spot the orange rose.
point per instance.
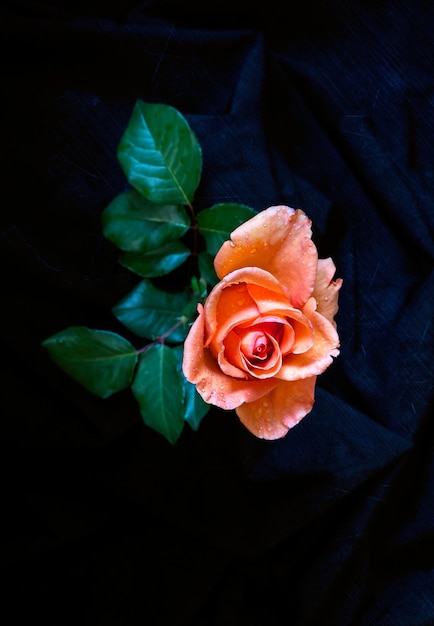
(267, 328)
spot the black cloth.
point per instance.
(327, 107)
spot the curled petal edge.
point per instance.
(326, 290)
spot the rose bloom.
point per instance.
(267, 328)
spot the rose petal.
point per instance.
(281, 307)
(277, 240)
(237, 357)
(201, 369)
(277, 327)
(273, 364)
(229, 303)
(234, 363)
(227, 308)
(268, 368)
(254, 342)
(319, 357)
(229, 357)
(326, 290)
(271, 416)
(268, 300)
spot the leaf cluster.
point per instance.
(150, 223)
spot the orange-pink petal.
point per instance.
(267, 299)
(326, 290)
(272, 415)
(277, 240)
(230, 359)
(319, 357)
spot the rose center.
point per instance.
(255, 349)
(256, 346)
(256, 343)
(260, 346)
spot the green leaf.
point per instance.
(195, 408)
(102, 361)
(190, 310)
(158, 388)
(206, 268)
(198, 294)
(156, 262)
(136, 225)
(198, 287)
(160, 155)
(150, 312)
(217, 223)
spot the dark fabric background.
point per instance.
(328, 107)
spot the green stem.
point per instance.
(162, 337)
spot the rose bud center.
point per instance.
(259, 351)
(256, 346)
